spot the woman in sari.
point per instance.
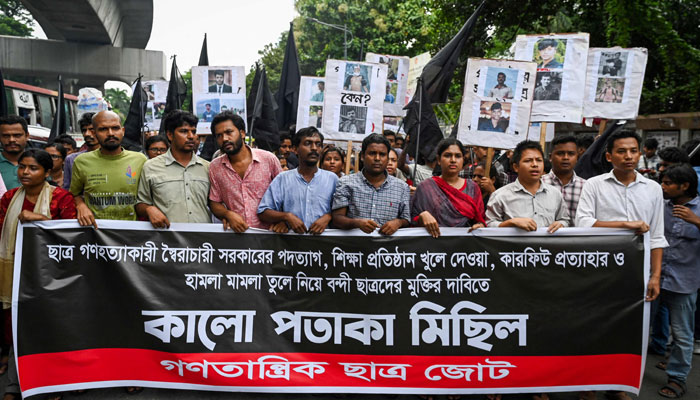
(448, 200)
(34, 200)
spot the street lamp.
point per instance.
(343, 28)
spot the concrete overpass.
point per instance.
(89, 42)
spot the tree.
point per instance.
(119, 100)
(15, 20)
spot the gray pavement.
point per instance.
(653, 380)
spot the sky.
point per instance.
(236, 30)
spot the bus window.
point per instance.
(44, 115)
(10, 101)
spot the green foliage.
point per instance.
(119, 100)
(15, 20)
(187, 77)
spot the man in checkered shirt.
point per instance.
(372, 199)
(562, 176)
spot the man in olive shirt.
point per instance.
(105, 181)
(174, 187)
(13, 136)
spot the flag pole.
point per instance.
(141, 119)
(420, 115)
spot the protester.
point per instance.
(694, 161)
(58, 153)
(417, 172)
(283, 162)
(390, 136)
(480, 154)
(680, 275)
(90, 144)
(487, 185)
(287, 151)
(155, 146)
(300, 199)
(105, 181)
(174, 187)
(68, 142)
(372, 198)
(671, 156)
(13, 137)
(448, 200)
(333, 159)
(399, 142)
(33, 200)
(528, 203)
(649, 160)
(583, 142)
(240, 178)
(562, 176)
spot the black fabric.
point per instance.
(264, 125)
(177, 90)
(430, 132)
(204, 54)
(135, 119)
(58, 127)
(593, 162)
(287, 96)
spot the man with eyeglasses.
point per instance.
(90, 144)
(174, 186)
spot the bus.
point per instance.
(38, 106)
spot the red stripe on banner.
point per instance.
(298, 369)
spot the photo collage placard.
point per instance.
(156, 92)
(353, 102)
(496, 103)
(561, 74)
(310, 111)
(217, 89)
(396, 82)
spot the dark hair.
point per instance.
(305, 132)
(493, 173)
(156, 139)
(673, 155)
(544, 43)
(623, 134)
(651, 144)
(683, 173)
(59, 147)
(563, 139)
(375, 138)
(285, 136)
(688, 147)
(444, 144)
(228, 116)
(521, 147)
(41, 156)
(389, 133)
(66, 139)
(15, 119)
(218, 72)
(177, 118)
(585, 141)
(331, 149)
(496, 106)
(501, 73)
(85, 120)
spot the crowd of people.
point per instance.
(304, 188)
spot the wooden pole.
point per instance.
(543, 134)
(601, 127)
(489, 160)
(357, 161)
(348, 155)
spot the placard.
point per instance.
(217, 89)
(533, 132)
(415, 69)
(614, 82)
(310, 110)
(561, 74)
(396, 82)
(156, 92)
(496, 102)
(354, 100)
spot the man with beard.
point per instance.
(90, 144)
(13, 136)
(300, 199)
(240, 178)
(219, 86)
(105, 181)
(174, 186)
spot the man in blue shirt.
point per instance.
(680, 275)
(300, 199)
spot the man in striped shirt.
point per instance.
(562, 176)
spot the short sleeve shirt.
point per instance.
(389, 201)
(514, 201)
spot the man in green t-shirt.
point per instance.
(105, 181)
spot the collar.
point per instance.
(638, 178)
(255, 156)
(695, 202)
(367, 182)
(519, 187)
(169, 159)
(574, 178)
(301, 178)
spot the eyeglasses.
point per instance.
(56, 156)
(157, 150)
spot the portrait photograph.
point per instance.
(315, 116)
(609, 90)
(500, 82)
(318, 89)
(613, 63)
(219, 81)
(392, 67)
(548, 86)
(149, 88)
(207, 109)
(357, 78)
(352, 119)
(549, 53)
(158, 110)
(494, 116)
(391, 90)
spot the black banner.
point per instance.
(194, 307)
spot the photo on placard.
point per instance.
(235, 105)
(613, 63)
(158, 110)
(548, 86)
(219, 81)
(149, 113)
(500, 82)
(609, 90)
(357, 78)
(549, 53)
(318, 88)
(206, 109)
(315, 116)
(150, 91)
(352, 119)
(392, 66)
(494, 116)
(391, 89)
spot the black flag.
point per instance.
(203, 54)
(3, 98)
(250, 101)
(593, 162)
(430, 132)
(177, 90)
(263, 127)
(58, 127)
(437, 74)
(287, 96)
(133, 126)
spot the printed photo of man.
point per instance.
(219, 86)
